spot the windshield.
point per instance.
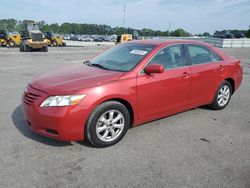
(123, 57)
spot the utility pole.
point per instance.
(169, 26)
(124, 15)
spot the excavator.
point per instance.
(54, 40)
(11, 40)
(33, 38)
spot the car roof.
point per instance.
(163, 42)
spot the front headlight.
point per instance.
(66, 100)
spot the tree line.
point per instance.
(98, 29)
(101, 29)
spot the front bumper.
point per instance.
(37, 45)
(60, 123)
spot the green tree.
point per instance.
(206, 34)
(8, 24)
(76, 28)
(248, 33)
(179, 33)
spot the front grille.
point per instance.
(37, 37)
(29, 98)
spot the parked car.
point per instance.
(224, 35)
(239, 35)
(228, 36)
(128, 85)
(87, 39)
(113, 38)
(99, 39)
(74, 38)
(66, 37)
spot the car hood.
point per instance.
(72, 79)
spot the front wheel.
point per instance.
(222, 96)
(107, 124)
(44, 49)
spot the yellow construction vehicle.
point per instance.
(54, 40)
(33, 38)
(124, 38)
(11, 40)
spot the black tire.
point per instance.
(50, 43)
(91, 126)
(44, 49)
(28, 49)
(24, 49)
(54, 43)
(11, 43)
(216, 105)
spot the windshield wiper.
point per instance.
(87, 62)
(100, 66)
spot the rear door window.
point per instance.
(201, 54)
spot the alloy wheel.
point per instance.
(223, 95)
(110, 125)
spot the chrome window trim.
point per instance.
(211, 62)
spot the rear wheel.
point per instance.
(222, 96)
(107, 124)
(11, 43)
(54, 43)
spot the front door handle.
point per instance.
(221, 67)
(185, 75)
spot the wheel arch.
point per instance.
(232, 82)
(127, 105)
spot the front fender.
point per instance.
(124, 90)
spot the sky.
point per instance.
(195, 16)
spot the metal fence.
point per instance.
(221, 43)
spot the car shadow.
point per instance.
(205, 107)
(21, 125)
(86, 144)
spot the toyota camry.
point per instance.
(128, 85)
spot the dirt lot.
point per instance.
(197, 148)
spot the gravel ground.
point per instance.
(197, 148)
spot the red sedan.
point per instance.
(128, 85)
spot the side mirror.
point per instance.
(154, 68)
